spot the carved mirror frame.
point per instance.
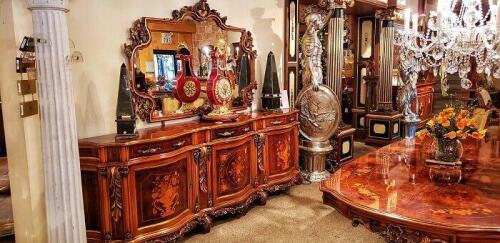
(140, 37)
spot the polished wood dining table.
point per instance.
(394, 192)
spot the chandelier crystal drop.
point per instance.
(457, 35)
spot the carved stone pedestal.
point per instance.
(383, 128)
(343, 145)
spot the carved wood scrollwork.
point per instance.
(204, 220)
(242, 208)
(107, 238)
(139, 35)
(116, 175)
(332, 157)
(281, 187)
(259, 141)
(200, 11)
(395, 233)
(143, 106)
(202, 156)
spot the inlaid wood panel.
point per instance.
(162, 192)
(232, 169)
(280, 152)
(281, 156)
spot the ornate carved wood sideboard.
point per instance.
(173, 178)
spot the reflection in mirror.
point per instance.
(165, 68)
(158, 63)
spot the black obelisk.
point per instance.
(243, 74)
(125, 116)
(243, 80)
(271, 95)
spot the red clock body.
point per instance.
(187, 87)
(219, 87)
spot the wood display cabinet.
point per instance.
(425, 97)
(174, 178)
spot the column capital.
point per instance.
(61, 5)
(333, 4)
(387, 14)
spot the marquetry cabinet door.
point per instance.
(281, 154)
(162, 193)
(233, 174)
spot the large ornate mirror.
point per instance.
(159, 50)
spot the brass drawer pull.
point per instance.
(246, 129)
(292, 119)
(149, 150)
(179, 144)
(226, 134)
(277, 122)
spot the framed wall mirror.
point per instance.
(160, 50)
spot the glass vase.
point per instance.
(448, 150)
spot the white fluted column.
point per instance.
(63, 189)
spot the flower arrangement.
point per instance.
(452, 123)
(447, 128)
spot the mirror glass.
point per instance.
(157, 64)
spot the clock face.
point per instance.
(223, 90)
(189, 88)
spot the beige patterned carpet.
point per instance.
(297, 215)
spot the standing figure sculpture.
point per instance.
(312, 48)
(407, 93)
(319, 106)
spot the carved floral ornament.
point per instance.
(387, 14)
(336, 3)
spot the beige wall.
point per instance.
(22, 134)
(99, 28)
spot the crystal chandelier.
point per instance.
(452, 41)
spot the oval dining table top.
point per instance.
(396, 183)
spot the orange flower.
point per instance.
(464, 113)
(482, 132)
(478, 135)
(451, 135)
(431, 123)
(449, 110)
(471, 122)
(461, 123)
(461, 134)
(444, 121)
(422, 134)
